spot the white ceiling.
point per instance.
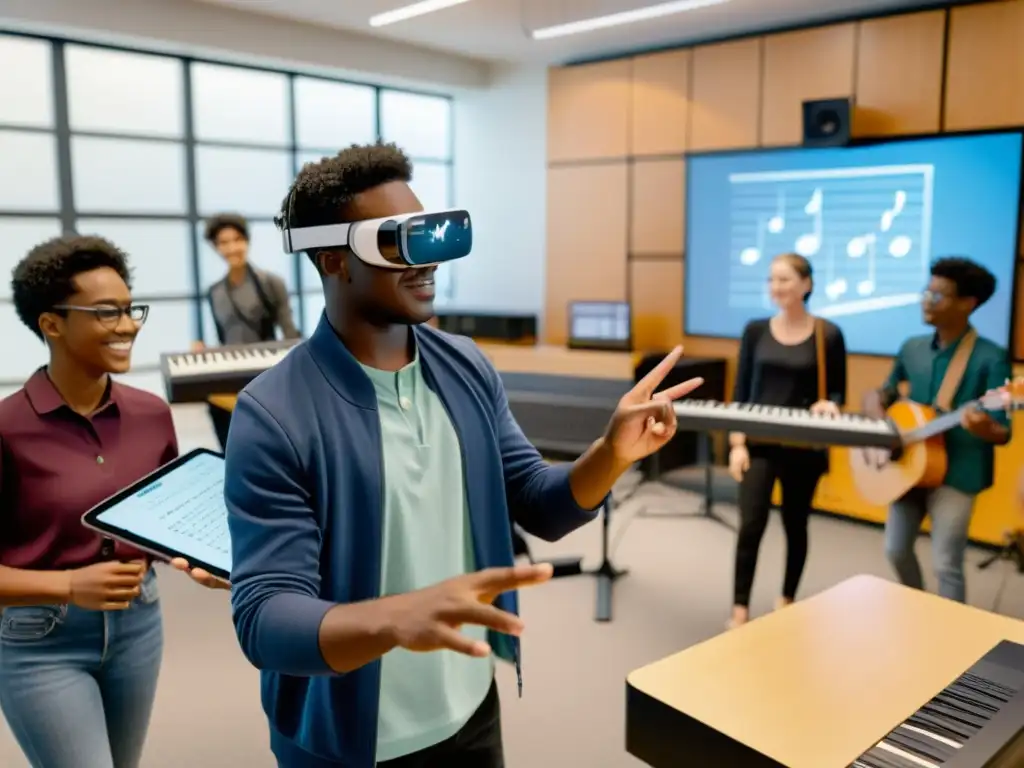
(499, 29)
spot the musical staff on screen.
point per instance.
(865, 230)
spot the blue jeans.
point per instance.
(77, 686)
(950, 511)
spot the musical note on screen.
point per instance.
(777, 223)
(807, 245)
(889, 216)
(857, 248)
(900, 246)
(751, 255)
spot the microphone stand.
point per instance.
(1012, 550)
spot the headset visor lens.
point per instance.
(434, 238)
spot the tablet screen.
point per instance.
(183, 511)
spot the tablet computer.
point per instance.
(176, 511)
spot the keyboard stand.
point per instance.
(707, 507)
(606, 573)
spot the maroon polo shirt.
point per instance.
(56, 464)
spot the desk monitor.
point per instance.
(176, 511)
(603, 325)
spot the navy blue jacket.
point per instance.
(304, 482)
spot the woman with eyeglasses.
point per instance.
(81, 634)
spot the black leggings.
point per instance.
(798, 470)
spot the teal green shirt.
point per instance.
(425, 698)
(922, 364)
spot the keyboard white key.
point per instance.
(786, 424)
(194, 376)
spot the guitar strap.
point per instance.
(819, 350)
(955, 371)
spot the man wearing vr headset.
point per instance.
(372, 479)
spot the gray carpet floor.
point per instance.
(676, 594)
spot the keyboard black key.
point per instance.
(955, 721)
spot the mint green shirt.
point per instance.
(425, 698)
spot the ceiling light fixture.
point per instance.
(623, 17)
(412, 11)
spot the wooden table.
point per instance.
(811, 686)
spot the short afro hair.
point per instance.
(222, 221)
(972, 280)
(46, 276)
(323, 188)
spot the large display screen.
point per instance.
(871, 219)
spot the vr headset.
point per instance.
(410, 240)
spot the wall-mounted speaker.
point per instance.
(827, 122)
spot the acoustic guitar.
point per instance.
(882, 476)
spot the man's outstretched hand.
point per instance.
(429, 619)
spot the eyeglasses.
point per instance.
(933, 297)
(110, 316)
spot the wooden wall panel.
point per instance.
(899, 74)
(726, 96)
(661, 103)
(656, 303)
(586, 244)
(588, 111)
(657, 219)
(799, 66)
(985, 66)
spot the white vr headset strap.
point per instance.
(309, 238)
(360, 236)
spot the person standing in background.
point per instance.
(248, 304)
(81, 633)
(957, 288)
(791, 360)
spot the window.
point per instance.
(265, 251)
(432, 184)
(23, 350)
(310, 276)
(19, 236)
(252, 182)
(28, 168)
(170, 327)
(159, 252)
(240, 106)
(420, 125)
(314, 307)
(127, 93)
(26, 99)
(134, 178)
(332, 115)
(128, 176)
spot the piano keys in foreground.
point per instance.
(192, 377)
(977, 721)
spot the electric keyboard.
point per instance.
(787, 425)
(192, 377)
(977, 721)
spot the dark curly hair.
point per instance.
(323, 188)
(222, 221)
(46, 276)
(972, 280)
